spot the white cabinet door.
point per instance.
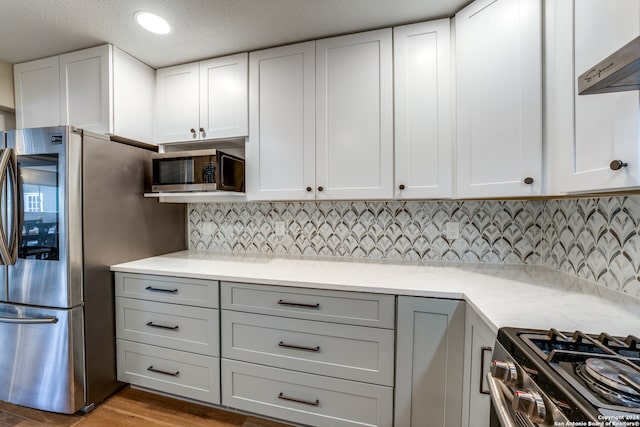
(134, 94)
(37, 92)
(591, 131)
(499, 98)
(479, 342)
(280, 151)
(85, 89)
(178, 103)
(423, 145)
(354, 116)
(429, 362)
(223, 97)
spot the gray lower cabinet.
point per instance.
(429, 362)
(168, 335)
(352, 308)
(479, 342)
(181, 327)
(177, 372)
(305, 398)
(308, 356)
(345, 351)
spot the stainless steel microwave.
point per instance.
(198, 170)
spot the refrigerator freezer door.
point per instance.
(42, 358)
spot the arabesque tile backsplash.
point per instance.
(597, 239)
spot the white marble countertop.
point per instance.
(504, 295)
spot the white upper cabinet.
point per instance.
(354, 116)
(134, 96)
(204, 100)
(588, 132)
(280, 151)
(178, 98)
(422, 84)
(223, 97)
(100, 89)
(499, 98)
(37, 92)
(85, 88)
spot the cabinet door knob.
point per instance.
(320, 188)
(193, 131)
(617, 165)
(528, 180)
(203, 132)
(309, 189)
(401, 187)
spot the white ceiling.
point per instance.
(33, 29)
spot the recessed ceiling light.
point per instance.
(152, 22)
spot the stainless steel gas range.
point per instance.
(552, 378)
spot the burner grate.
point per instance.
(607, 392)
(549, 345)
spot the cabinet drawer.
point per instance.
(353, 308)
(345, 351)
(201, 293)
(179, 327)
(305, 398)
(171, 371)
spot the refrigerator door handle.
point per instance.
(6, 256)
(15, 207)
(29, 320)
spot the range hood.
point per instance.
(618, 72)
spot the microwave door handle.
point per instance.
(5, 255)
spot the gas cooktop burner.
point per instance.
(611, 379)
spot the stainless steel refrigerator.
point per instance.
(72, 204)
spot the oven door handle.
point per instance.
(500, 401)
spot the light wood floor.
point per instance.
(132, 408)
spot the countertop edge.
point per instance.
(532, 297)
(295, 283)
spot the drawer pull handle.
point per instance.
(160, 371)
(153, 325)
(298, 347)
(293, 399)
(168, 291)
(298, 304)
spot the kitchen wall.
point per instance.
(7, 101)
(594, 238)
(7, 120)
(597, 239)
